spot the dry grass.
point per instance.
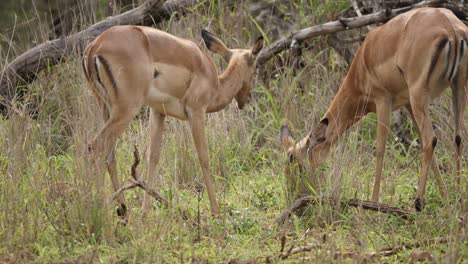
(46, 150)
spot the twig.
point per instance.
(297, 250)
(356, 8)
(137, 182)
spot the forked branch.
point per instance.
(135, 181)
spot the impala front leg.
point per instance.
(384, 111)
(197, 124)
(156, 133)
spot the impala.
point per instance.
(405, 63)
(130, 66)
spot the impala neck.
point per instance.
(348, 107)
(230, 83)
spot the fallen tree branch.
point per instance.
(379, 207)
(340, 25)
(24, 68)
(373, 206)
(135, 181)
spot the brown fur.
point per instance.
(401, 63)
(138, 66)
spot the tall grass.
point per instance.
(49, 213)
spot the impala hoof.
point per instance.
(122, 210)
(418, 204)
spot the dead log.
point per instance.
(341, 25)
(379, 207)
(373, 206)
(24, 69)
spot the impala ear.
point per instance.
(318, 134)
(215, 45)
(286, 138)
(257, 46)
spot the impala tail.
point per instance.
(450, 53)
(98, 73)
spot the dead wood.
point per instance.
(373, 206)
(366, 257)
(24, 69)
(342, 49)
(379, 207)
(344, 24)
(135, 181)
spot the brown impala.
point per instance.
(405, 63)
(131, 66)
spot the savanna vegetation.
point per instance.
(49, 210)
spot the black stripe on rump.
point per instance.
(436, 56)
(455, 62)
(106, 65)
(83, 61)
(96, 70)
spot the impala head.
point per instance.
(301, 154)
(243, 59)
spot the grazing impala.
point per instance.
(131, 66)
(405, 63)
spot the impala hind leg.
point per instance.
(156, 132)
(420, 107)
(104, 144)
(459, 94)
(197, 124)
(384, 111)
(434, 166)
(111, 163)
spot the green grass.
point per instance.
(247, 160)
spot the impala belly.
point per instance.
(168, 88)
